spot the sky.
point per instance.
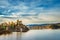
(30, 11)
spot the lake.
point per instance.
(33, 35)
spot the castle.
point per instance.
(14, 27)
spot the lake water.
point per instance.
(33, 35)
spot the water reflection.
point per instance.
(19, 35)
(33, 35)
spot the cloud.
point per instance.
(30, 11)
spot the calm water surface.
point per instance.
(33, 35)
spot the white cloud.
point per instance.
(33, 14)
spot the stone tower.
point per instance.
(21, 27)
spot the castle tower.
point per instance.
(21, 27)
(19, 22)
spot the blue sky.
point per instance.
(30, 11)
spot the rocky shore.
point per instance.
(4, 32)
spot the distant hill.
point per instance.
(37, 24)
(52, 26)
